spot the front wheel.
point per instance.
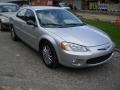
(49, 55)
(13, 34)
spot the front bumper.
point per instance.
(5, 23)
(87, 59)
(5, 26)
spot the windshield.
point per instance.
(57, 18)
(8, 8)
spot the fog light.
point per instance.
(77, 62)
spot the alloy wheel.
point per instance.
(47, 56)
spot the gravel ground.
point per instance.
(108, 18)
(21, 66)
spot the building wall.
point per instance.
(103, 5)
(39, 2)
(42, 2)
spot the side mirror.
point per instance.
(30, 22)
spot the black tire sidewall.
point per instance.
(15, 38)
(1, 28)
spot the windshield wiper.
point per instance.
(52, 24)
(76, 24)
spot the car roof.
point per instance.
(7, 4)
(42, 7)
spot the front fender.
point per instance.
(53, 41)
(50, 39)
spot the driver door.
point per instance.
(31, 31)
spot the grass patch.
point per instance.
(111, 29)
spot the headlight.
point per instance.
(5, 20)
(73, 47)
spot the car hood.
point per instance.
(8, 14)
(84, 35)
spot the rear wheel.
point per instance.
(13, 34)
(49, 55)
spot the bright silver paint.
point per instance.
(93, 39)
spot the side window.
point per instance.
(29, 15)
(21, 14)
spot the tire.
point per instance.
(1, 27)
(49, 55)
(13, 34)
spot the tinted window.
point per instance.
(21, 14)
(30, 15)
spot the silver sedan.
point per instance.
(61, 38)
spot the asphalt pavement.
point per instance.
(21, 66)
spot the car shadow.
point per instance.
(5, 30)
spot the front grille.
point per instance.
(98, 59)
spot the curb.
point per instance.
(117, 50)
(116, 13)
